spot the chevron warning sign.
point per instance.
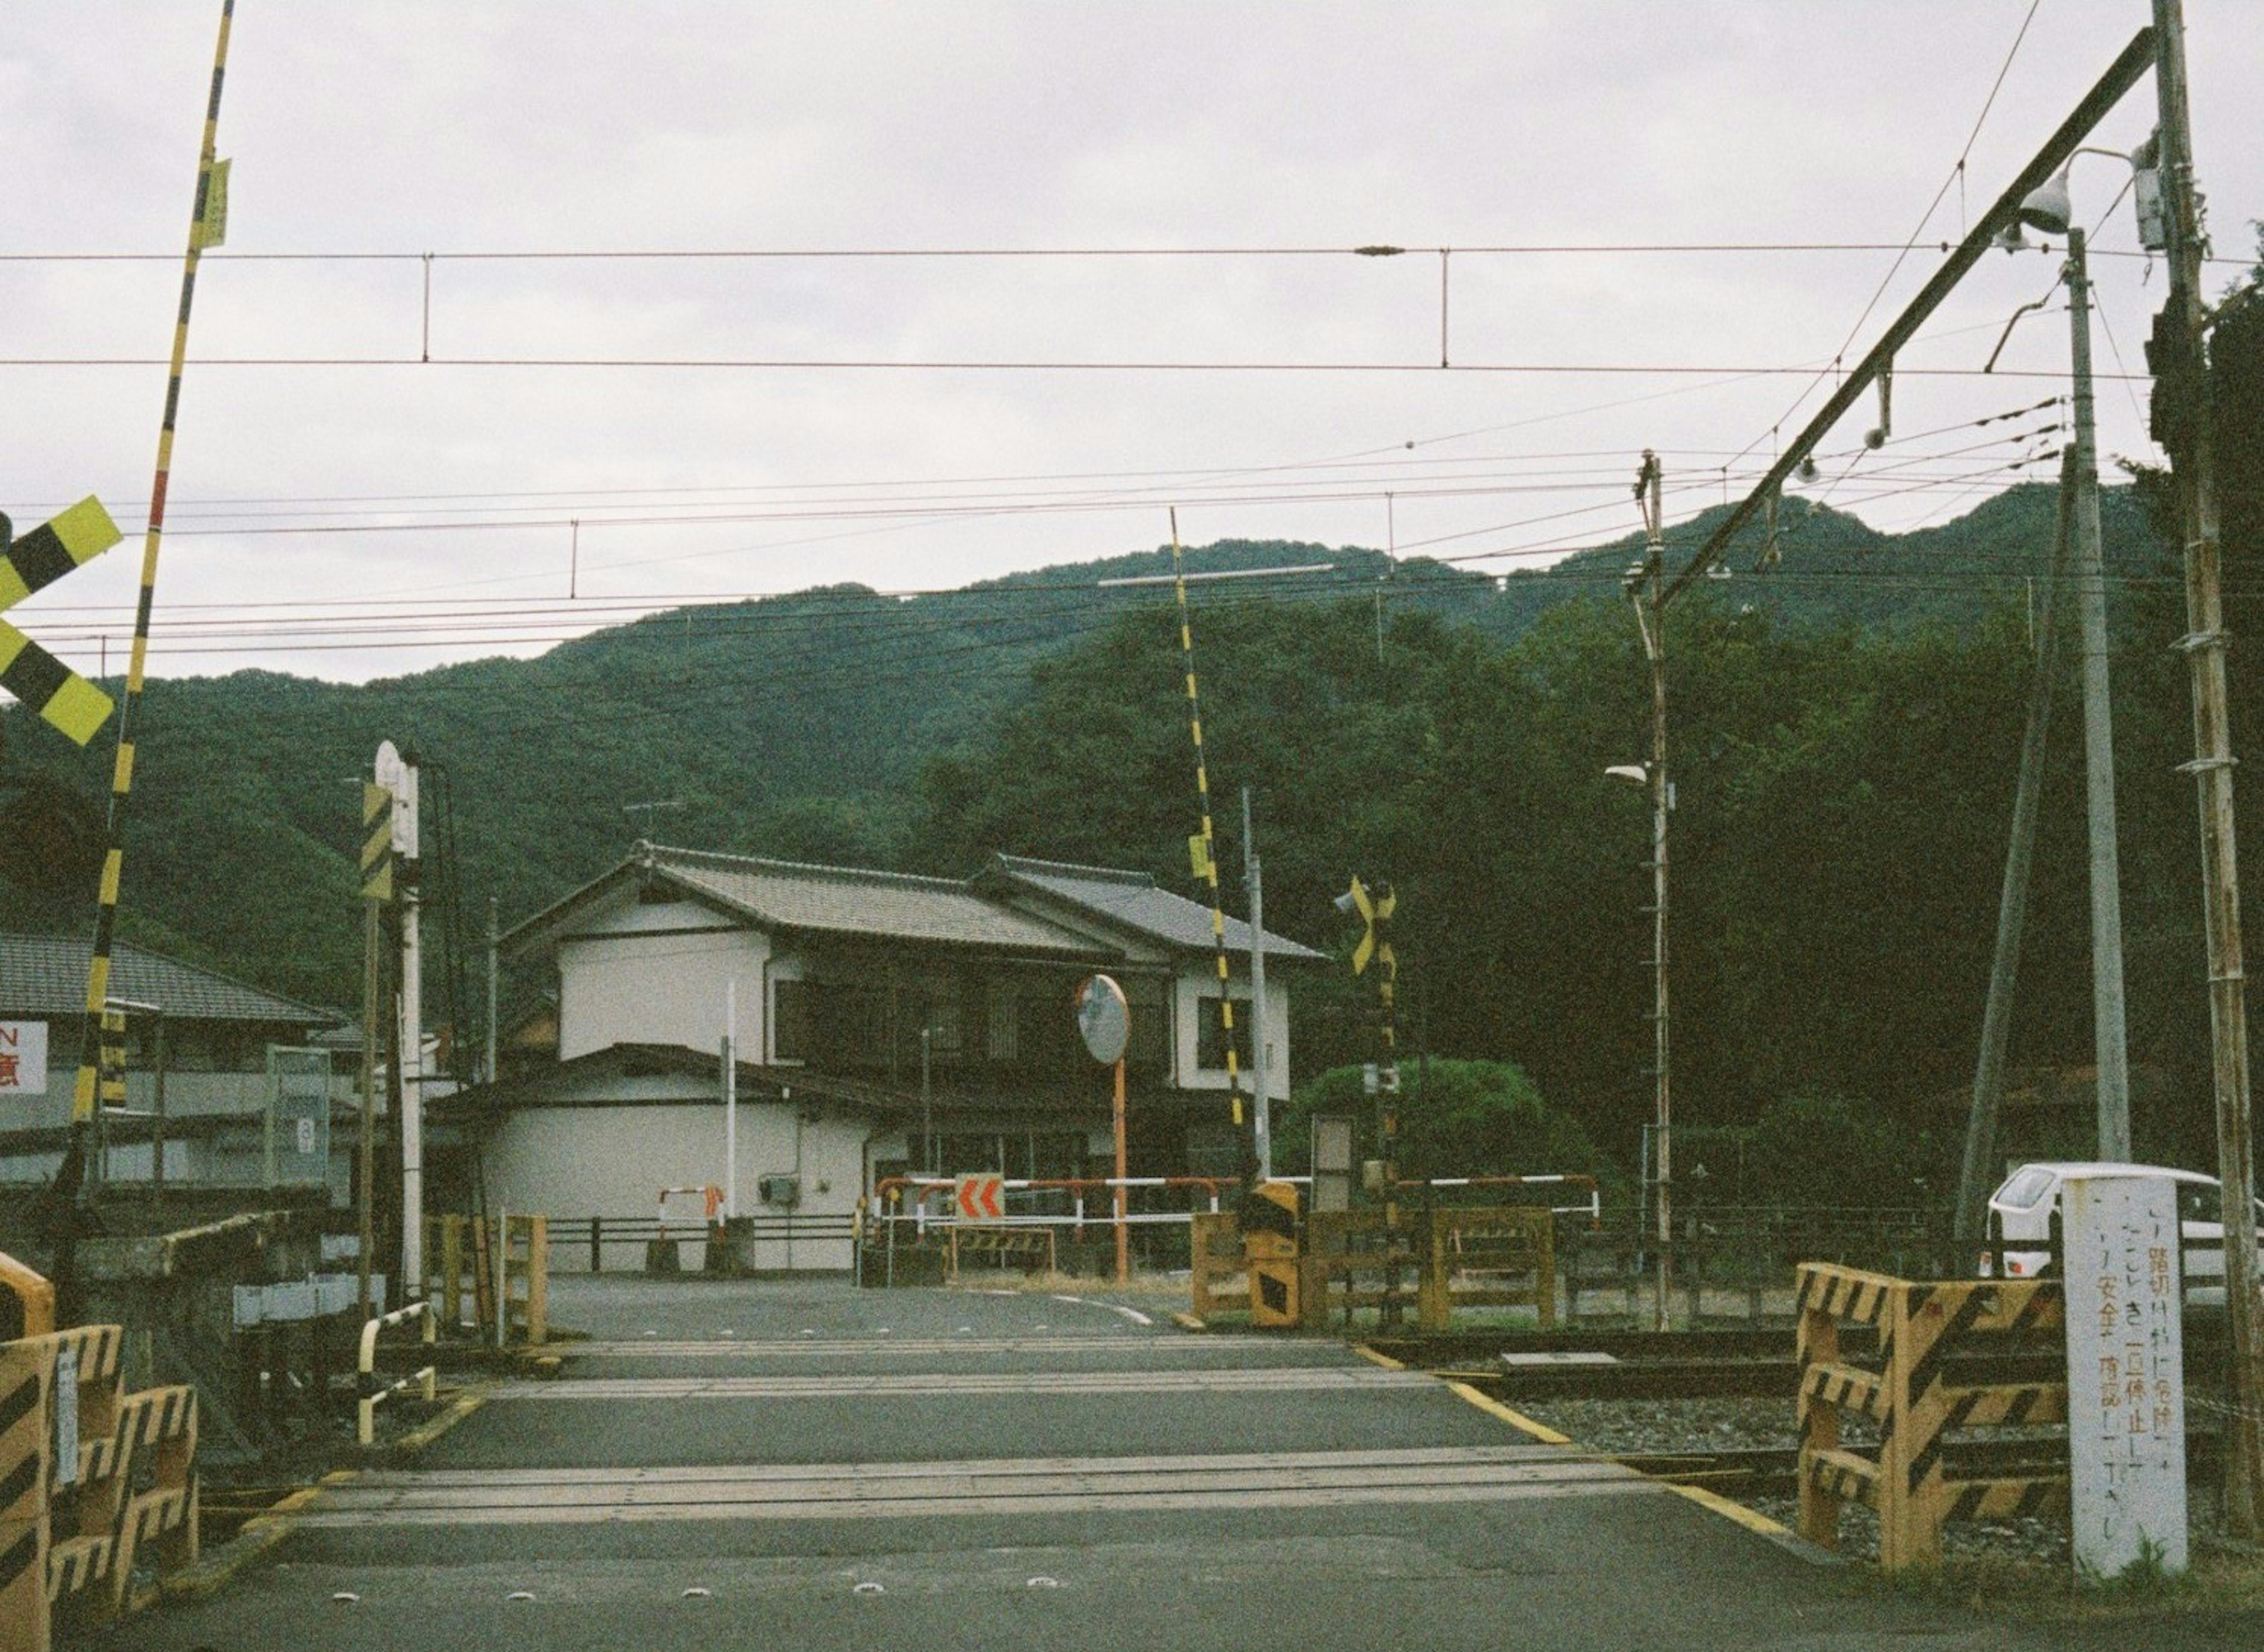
(39, 558)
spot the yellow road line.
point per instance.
(1517, 1420)
(1751, 1520)
(1187, 1321)
(1385, 1360)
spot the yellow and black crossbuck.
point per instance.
(34, 676)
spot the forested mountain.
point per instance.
(798, 726)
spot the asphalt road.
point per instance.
(806, 1465)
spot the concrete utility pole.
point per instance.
(1976, 1179)
(2109, 1037)
(409, 1043)
(1262, 1118)
(2176, 357)
(1651, 616)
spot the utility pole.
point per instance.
(495, 959)
(1648, 591)
(2175, 355)
(1975, 1179)
(1262, 1118)
(377, 810)
(409, 1039)
(2109, 1037)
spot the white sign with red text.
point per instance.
(23, 1058)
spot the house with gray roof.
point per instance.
(217, 1033)
(882, 1024)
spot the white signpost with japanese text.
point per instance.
(2126, 1390)
(23, 1058)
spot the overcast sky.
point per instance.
(492, 128)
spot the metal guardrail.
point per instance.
(372, 1393)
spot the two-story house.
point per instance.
(884, 1024)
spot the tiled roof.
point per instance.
(45, 976)
(889, 905)
(1134, 900)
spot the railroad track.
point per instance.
(1773, 1471)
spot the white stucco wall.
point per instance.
(573, 1162)
(1194, 986)
(657, 975)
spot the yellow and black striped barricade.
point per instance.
(157, 1431)
(84, 1510)
(1214, 1261)
(28, 1375)
(1028, 1249)
(1272, 1255)
(1487, 1256)
(1916, 1410)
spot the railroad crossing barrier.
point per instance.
(33, 1299)
(1214, 1258)
(1028, 1249)
(373, 1393)
(1438, 1261)
(1458, 1256)
(1906, 1394)
(466, 1259)
(73, 1448)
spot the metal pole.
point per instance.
(157, 1125)
(409, 1042)
(728, 1069)
(1976, 1178)
(1650, 488)
(2109, 1039)
(1123, 1237)
(2192, 460)
(1261, 1116)
(495, 955)
(927, 1104)
(366, 1174)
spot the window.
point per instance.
(1210, 1045)
(1002, 1027)
(790, 1030)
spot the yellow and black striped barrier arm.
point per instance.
(121, 778)
(1201, 850)
(43, 683)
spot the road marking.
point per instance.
(970, 1384)
(1106, 1343)
(1385, 1360)
(1132, 1314)
(1032, 1486)
(1517, 1420)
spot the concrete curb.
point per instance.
(260, 1535)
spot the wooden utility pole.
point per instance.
(2177, 357)
(1650, 615)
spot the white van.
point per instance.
(2027, 1206)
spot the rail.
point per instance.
(373, 1393)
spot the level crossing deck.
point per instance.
(808, 1464)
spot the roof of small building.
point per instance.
(1135, 901)
(841, 901)
(45, 976)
